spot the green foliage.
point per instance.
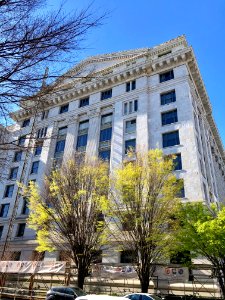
(202, 229)
(66, 213)
(144, 198)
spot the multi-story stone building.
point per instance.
(144, 98)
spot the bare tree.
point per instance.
(33, 40)
(143, 203)
(67, 215)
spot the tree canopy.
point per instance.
(68, 213)
(144, 202)
(202, 232)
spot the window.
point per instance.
(44, 114)
(26, 123)
(1, 231)
(169, 117)
(83, 127)
(21, 229)
(82, 141)
(130, 107)
(62, 131)
(181, 193)
(38, 149)
(15, 256)
(82, 136)
(84, 102)
(4, 210)
(106, 94)
(166, 76)
(130, 145)
(34, 168)
(177, 162)
(168, 97)
(13, 173)
(106, 134)
(9, 191)
(130, 86)
(106, 120)
(18, 156)
(104, 154)
(127, 256)
(171, 139)
(64, 108)
(130, 126)
(41, 133)
(60, 146)
(25, 208)
(22, 140)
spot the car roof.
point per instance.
(96, 297)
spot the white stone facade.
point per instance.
(200, 147)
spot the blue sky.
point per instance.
(146, 23)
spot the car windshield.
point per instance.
(79, 292)
(155, 297)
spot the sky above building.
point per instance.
(146, 23)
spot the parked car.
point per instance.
(142, 296)
(64, 293)
(100, 297)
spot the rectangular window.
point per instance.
(9, 191)
(169, 117)
(135, 105)
(131, 85)
(25, 208)
(60, 146)
(177, 162)
(44, 114)
(34, 168)
(104, 154)
(106, 134)
(13, 173)
(22, 140)
(64, 108)
(130, 107)
(42, 132)
(106, 120)
(127, 256)
(82, 141)
(106, 94)
(4, 210)
(26, 123)
(38, 149)
(84, 102)
(62, 131)
(18, 156)
(167, 98)
(16, 255)
(21, 229)
(130, 126)
(166, 76)
(83, 127)
(171, 139)
(1, 231)
(130, 145)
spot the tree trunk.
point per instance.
(80, 277)
(221, 277)
(144, 285)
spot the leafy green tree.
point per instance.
(144, 200)
(202, 232)
(67, 214)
